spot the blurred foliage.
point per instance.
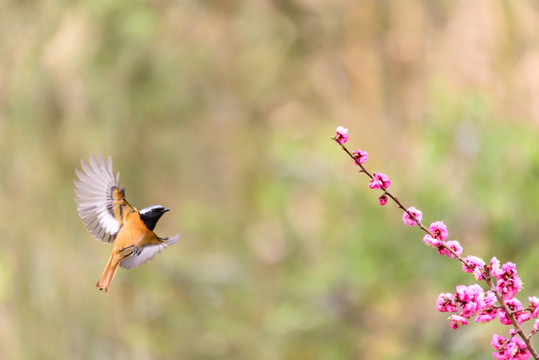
(222, 111)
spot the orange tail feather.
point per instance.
(108, 274)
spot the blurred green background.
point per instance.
(223, 111)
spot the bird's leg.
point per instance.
(129, 250)
(137, 250)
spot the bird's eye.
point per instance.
(155, 210)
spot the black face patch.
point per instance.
(151, 215)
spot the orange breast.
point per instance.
(134, 232)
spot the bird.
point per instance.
(108, 217)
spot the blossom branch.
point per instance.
(470, 300)
(400, 205)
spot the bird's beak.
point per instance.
(165, 210)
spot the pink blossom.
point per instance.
(497, 341)
(486, 307)
(509, 283)
(514, 348)
(465, 293)
(522, 353)
(472, 299)
(456, 321)
(487, 315)
(429, 240)
(408, 219)
(503, 317)
(446, 303)
(380, 181)
(509, 288)
(469, 297)
(523, 316)
(534, 306)
(383, 200)
(361, 156)
(494, 267)
(505, 352)
(439, 230)
(477, 266)
(516, 308)
(489, 300)
(536, 325)
(508, 270)
(469, 309)
(504, 349)
(453, 245)
(342, 135)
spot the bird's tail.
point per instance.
(108, 274)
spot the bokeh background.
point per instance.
(223, 111)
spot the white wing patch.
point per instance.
(147, 253)
(94, 190)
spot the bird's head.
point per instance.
(151, 214)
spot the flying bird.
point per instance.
(110, 218)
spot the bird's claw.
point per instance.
(136, 250)
(130, 250)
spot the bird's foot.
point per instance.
(130, 250)
(136, 250)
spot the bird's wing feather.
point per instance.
(147, 252)
(101, 204)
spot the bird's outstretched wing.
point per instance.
(101, 204)
(147, 252)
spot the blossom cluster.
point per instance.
(512, 348)
(473, 302)
(470, 301)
